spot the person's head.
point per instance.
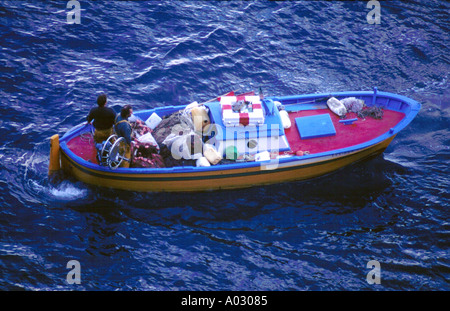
(126, 111)
(101, 100)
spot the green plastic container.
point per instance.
(231, 153)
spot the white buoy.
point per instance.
(337, 106)
(283, 115)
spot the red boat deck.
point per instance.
(84, 147)
(346, 135)
(360, 131)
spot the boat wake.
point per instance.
(33, 166)
(65, 190)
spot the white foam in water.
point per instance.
(62, 191)
(36, 186)
(67, 191)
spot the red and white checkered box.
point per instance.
(231, 118)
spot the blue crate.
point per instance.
(315, 126)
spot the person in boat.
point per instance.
(103, 117)
(123, 129)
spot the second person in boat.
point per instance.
(123, 129)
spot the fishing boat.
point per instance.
(276, 139)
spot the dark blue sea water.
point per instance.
(314, 235)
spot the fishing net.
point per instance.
(374, 112)
(353, 104)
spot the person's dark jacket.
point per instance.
(103, 117)
(123, 128)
